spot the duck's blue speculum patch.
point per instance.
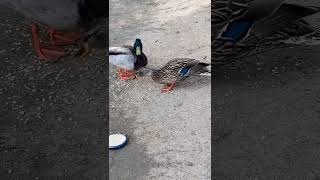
(184, 71)
(237, 30)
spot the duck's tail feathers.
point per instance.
(207, 71)
(301, 33)
(119, 50)
(284, 16)
(202, 69)
(205, 74)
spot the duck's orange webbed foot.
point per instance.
(60, 38)
(126, 75)
(45, 52)
(168, 87)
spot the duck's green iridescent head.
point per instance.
(138, 47)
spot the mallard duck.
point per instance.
(177, 70)
(68, 21)
(128, 59)
(248, 27)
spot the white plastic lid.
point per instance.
(117, 140)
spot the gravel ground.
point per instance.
(169, 133)
(53, 116)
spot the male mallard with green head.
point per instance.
(177, 70)
(128, 59)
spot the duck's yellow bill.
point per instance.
(138, 51)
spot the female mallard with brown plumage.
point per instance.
(247, 27)
(177, 70)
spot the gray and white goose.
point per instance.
(68, 22)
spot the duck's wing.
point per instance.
(299, 33)
(121, 50)
(177, 63)
(122, 57)
(122, 61)
(285, 16)
(181, 67)
(170, 72)
(263, 18)
(224, 11)
(269, 33)
(186, 67)
(260, 9)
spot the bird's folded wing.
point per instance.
(119, 50)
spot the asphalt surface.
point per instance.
(169, 134)
(53, 116)
(267, 112)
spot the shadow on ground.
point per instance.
(52, 116)
(266, 123)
